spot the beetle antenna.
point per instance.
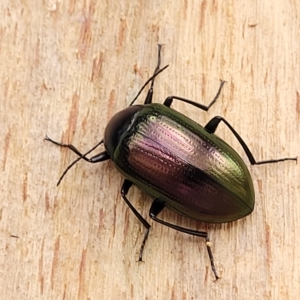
(150, 79)
(82, 156)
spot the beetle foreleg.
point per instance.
(158, 206)
(211, 127)
(124, 191)
(170, 99)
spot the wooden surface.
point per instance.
(66, 67)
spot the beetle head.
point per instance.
(117, 126)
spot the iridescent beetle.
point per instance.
(180, 164)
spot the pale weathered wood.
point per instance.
(65, 68)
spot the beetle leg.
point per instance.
(170, 99)
(158, 206)
(97, 158)
(211, 127)
(124, 191)
(149, 96)
(94, 159)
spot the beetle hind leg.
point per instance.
(124, 191)
(158, 206)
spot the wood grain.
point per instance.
(66, 67)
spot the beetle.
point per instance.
(183, 166)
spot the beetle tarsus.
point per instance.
(124, 190)
(149, 96)
(159, 46)
(270, 161)
(211, 258)
(157, 206)
(217, 95)
(143, 244)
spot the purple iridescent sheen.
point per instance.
(175, 161)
